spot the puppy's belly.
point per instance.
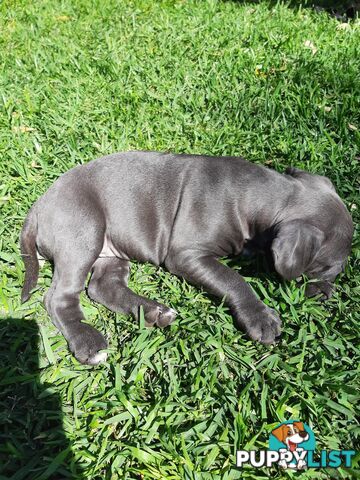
(109, 250)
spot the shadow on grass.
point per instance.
(32, 441)
(341, 9)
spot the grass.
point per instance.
(275, 83)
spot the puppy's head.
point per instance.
(291, 434)
(317, 241)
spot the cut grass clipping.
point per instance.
(275, 83)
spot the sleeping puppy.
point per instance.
(183, 212)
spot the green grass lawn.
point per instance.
(278, 85)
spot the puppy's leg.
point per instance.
(73, 242)
(63, 305)
(255, 318)
(108, 286)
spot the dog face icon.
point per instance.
(291, 434)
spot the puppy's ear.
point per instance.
(294, 247)
(300, 426)
(280, 433)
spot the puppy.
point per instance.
(183, 212)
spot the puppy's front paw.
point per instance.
(86, 344)
(264, 325)
(159, 315)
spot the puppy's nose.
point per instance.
(303, 434)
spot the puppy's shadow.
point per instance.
(33, 444)
(254, 262)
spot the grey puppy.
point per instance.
(183, 212)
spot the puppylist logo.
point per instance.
(292, 445)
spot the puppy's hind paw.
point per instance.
(160, 315)
(86, 344)
(166, 317)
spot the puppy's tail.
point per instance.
(29, 254)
